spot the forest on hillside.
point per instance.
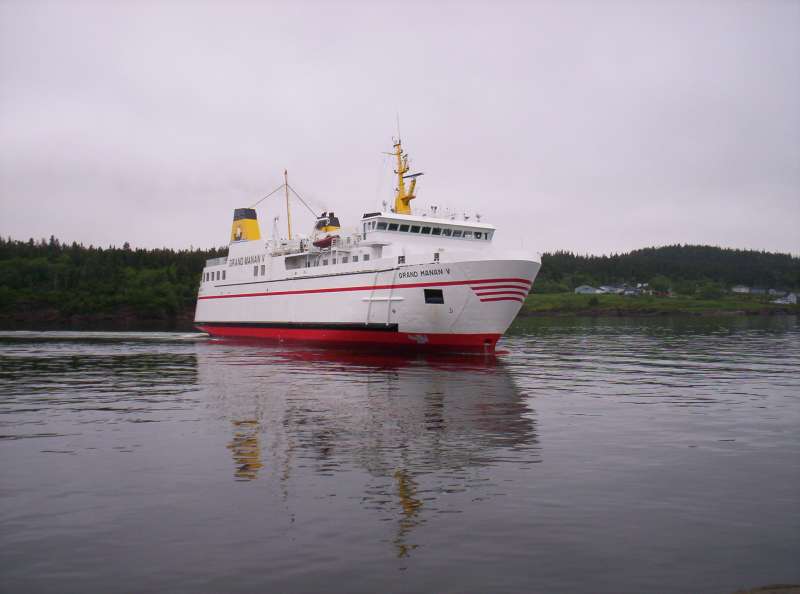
(684, 269)
(54, 280)
(46, 280)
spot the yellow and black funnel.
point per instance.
(245, 225)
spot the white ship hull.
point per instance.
(384, 306)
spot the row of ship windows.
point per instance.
(342, 260)
(262, 270)
(443, 231)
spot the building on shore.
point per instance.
(611, 290)
(586, 290)
(788, 299)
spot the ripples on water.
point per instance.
(591, 456)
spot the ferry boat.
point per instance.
(401, 279)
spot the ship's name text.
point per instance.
(427, 272)
(257, 259)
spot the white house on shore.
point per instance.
(586, 290)
(741, 289)
(788, 299)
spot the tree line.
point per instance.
(75, 279)
(162, 283)
(683, 269)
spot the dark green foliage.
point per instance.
(660, 283)
(686, 266)
(594, 302)
(709, 291)
(550, 286)
(74, 279)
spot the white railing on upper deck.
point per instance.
(447, 213)
(216, 261)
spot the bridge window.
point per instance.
(255, 270)
(467, 234)
(345, 259)
(366, 257)
(457, 232)
(381, 226)
(355, 258)
(404, 228)
(392, 226)
(333, 261)
(426, 231)
(436, 231)
(447, 232)
(217, 274)
(324, 262)
(434, 296)
(223, 275)
(415, 228)
(401, 259)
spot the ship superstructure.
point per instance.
(400, 279)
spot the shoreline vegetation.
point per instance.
(565, 304)
(47, 285)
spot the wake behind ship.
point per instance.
(419, 280)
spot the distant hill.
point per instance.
(47, 283)
(682, 265)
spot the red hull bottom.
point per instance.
(367, 338)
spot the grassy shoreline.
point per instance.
(554, 304)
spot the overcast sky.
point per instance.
(595, 127)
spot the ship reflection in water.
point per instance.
(246, 449)
(418, 430)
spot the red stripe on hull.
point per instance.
(371, 338)
(490, 287)
(368, 288)
(490, 293)
(484, 299)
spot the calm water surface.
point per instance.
(592, 456)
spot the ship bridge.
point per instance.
(390, 227)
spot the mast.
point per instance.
(288, 212)
(403, 198)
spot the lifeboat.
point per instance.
(325, 242)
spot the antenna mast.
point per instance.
(288, 212)
(403, 196)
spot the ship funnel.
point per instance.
(245, 225)
(327, 222)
